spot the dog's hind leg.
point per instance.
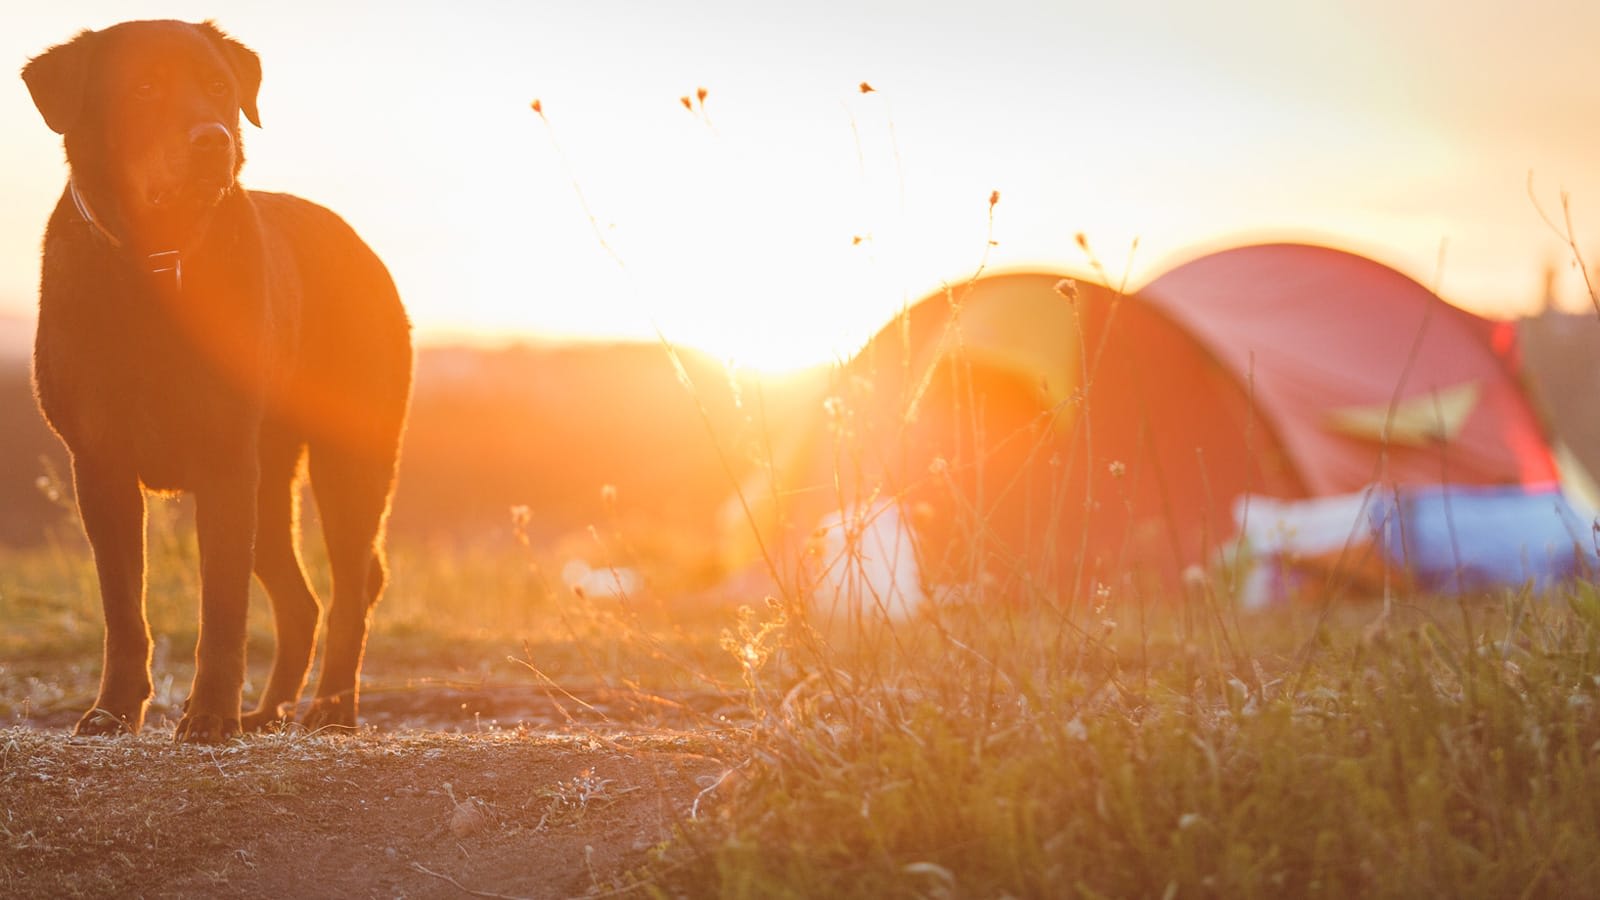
(352, 492)
(277, 565)
(111, 504)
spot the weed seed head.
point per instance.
(521, 518)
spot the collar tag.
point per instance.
(168, 263)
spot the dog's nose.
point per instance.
(210, 138)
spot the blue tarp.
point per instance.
(1454, 539)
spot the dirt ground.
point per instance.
(382, 813)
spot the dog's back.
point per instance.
(349, 376)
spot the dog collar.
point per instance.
(166, 265)
(87, 214)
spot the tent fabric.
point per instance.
(1055, 440)
(1318, 330)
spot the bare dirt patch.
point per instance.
(400, 814)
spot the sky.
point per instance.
(786, 218)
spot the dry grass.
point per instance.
(1424, 759)
(1039, 735)
(1009, 747)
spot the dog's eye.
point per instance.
(218, 88)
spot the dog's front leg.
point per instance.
(111, 504)
(225, 519)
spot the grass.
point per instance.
(494, 615)
(997, 749)
(1421, 759)
(1449, 751)
(1040, 741)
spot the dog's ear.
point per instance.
(58, 78)
(246, 67)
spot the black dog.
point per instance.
(196, 336)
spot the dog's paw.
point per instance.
(336, 713)
(103, 722)
(204, 728)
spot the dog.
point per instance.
(197, 336)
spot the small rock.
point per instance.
(468, 819)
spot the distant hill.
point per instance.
(16, 338)
(27, 451)
(547, 428)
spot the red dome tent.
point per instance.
(1061, 442)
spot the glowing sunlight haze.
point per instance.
(783, 219)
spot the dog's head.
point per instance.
(150, 112)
